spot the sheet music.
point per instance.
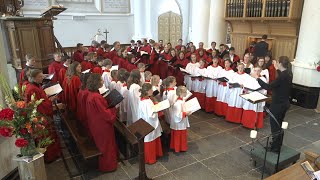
(115, 67)
(48, 76)
(189, 94)
(184, 70)
(192, 105)
(104, 91)
(143, 52)
(53, 90)
(86, 71)
(165, 104)
(254, 96)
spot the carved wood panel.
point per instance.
(170, 27)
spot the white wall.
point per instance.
(69, 32)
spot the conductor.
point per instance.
(280, 97)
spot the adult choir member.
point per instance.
(213, 48)
(78, 55)
(94, 46)
(71, 85)
(81, 103)
(281, 87)
(100, 120)
(45, 107)
(223, 50)
(113, 53)
(55, 67)
(178, 47)
(235, 59)
(30, 63)
(180, 63)
(262, 47)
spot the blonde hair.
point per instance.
(169, 80)
(154, 79)
(147, 73)
(141, 65)
(91, 55)
(180, 90)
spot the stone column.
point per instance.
(200, 21)
(304, 72)
(217, 24)
(141, 19)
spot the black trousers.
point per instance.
(279, 111)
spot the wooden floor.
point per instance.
(213, 152)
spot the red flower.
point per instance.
(23, 131)
(6, 114)
(318, 68)
(21, 142)
(6, 132)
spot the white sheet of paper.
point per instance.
(165, 104)
(189, 94)
(86, 71)
(143, 52)
(49, 76)
(104, 91)
(115, 67)
(52, 90)
(192, 105)
(184, 70)
(254, 96)
(317, 174)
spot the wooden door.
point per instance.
(170, 28)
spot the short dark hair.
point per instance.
(132, 41)
(264, 36)
(103, 42)
(231, 49)
(84, 78)
(93, 82)
(79, 45)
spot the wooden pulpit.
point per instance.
(140, 129)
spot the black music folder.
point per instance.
(114, 98)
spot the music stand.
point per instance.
(256, 101)
(140, 129)
(53, 11)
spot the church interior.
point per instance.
(129, 48)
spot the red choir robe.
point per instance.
(209, 51)
(100, 121)
(92, 49)
(122, 62)
(71, 89)
(154, 69)
(23, 79)
(84, 65)
(112, 54)
(131, 49)
(130, 66)
(81, 109)
(61, 76)
(164, 65)
(107, 55)
(235, 61)
(97, 69)
(178, 47)
(272, 76)
(178, 74)
(45, 107)
(55, 67)
(78, 56)
(100, 51)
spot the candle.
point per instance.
(253, 134)
(284, 125)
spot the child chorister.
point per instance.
(223, 89)
(142, 68)
(152, 142)
(191, 69)
(200, 84)
(170, 94)
(213, 72)
(147, 77)
(252, 116)
(155, 82)
(114, 79)
(106, 75)
(123, 77)
(235, 102)
(179, 122)
(133, 96)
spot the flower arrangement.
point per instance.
(21, 119)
